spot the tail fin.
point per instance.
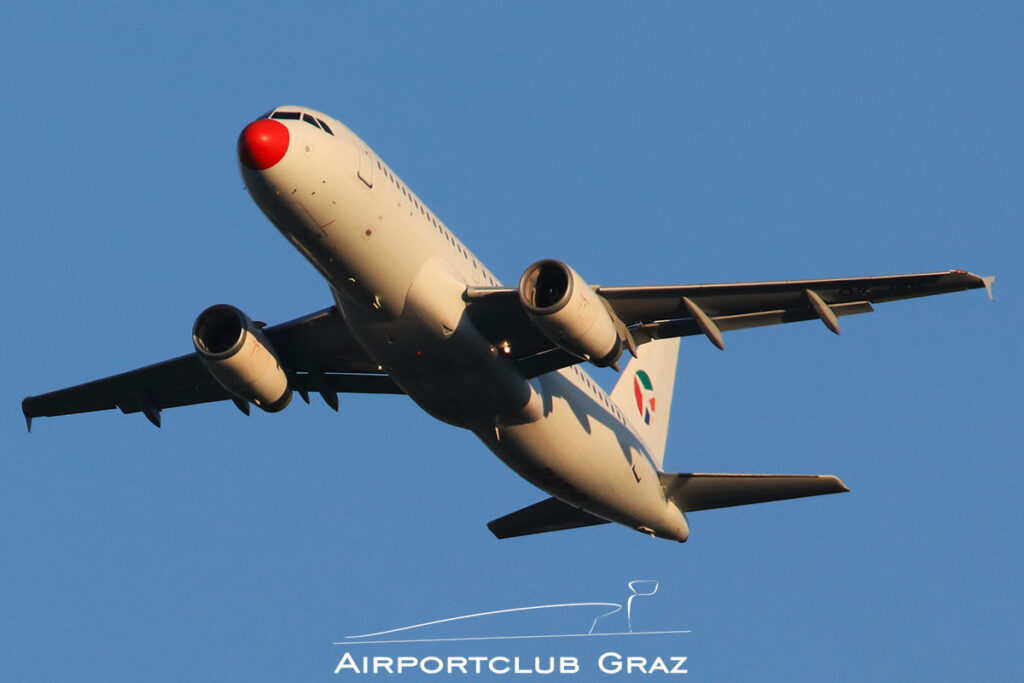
(644, 392)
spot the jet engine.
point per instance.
(569, 313)
(236, 352)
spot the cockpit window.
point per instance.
(324, 126)
(301, 116)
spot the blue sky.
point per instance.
(652, 143)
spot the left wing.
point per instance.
(317, 351)
(658, 312)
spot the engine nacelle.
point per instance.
(569, 313)
(236, 352)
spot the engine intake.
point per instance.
(236, 352)
(569, 313)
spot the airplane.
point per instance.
(415, 312)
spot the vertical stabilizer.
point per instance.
(644, 392)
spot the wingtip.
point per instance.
(28, 416)
(987, 282)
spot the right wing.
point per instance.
(661, 312)
(317, 351)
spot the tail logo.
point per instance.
(644, 391)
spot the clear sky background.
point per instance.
(649, 143)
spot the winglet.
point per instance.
(987, 281)
(28, 418)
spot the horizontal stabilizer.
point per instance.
(692, 492)
(547, 515)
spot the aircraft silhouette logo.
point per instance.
(422, 632)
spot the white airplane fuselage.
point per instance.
(398, 277)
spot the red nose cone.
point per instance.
(262, 143)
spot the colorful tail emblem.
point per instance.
(644, 395)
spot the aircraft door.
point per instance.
(365, 167)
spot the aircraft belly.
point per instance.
(435, 354)
(583, 456)
(549, 430)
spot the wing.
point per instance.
(658, 312)
(317, 351)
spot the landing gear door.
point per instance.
(365, 167)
